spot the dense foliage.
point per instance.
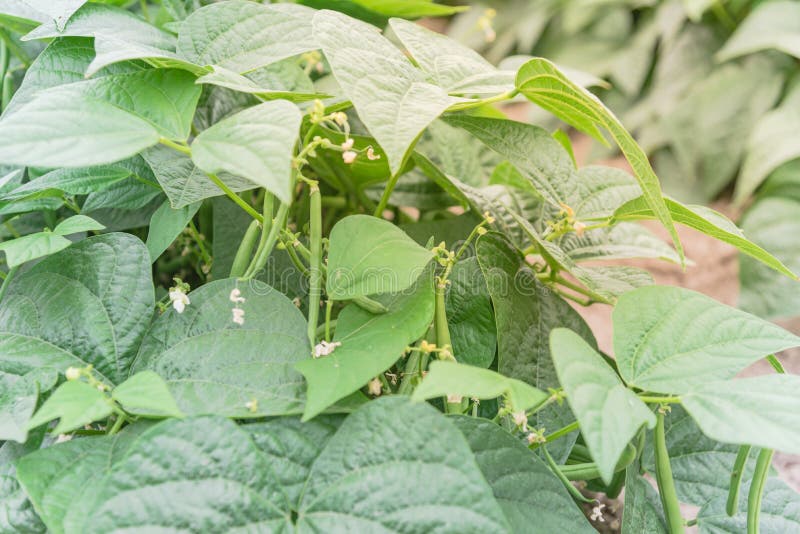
(269, 269)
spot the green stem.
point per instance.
(265, 248)
(245, 251)
(236, 198)
(199, 240)
(328, 309)
(117, 424)
(461, 106)
(572, 427)
(183, 149)
(387, 192)
(443, 340)
(773, 361)
(660, 400)
(666, 484)
(315, 275)
(732, 506)
(298, 263)
(757, 489)
(554, 467)
(723, 16)
(7, 280)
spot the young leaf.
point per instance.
(395, 103)
(32, 246)
(369, 256)
(671, 340)
(450, 378)
(597, 397)
(215, 366)
(542, 83)
(77, 224)
(166, 224)
(146, 394)
(409, 9)
(761, 410)
(531, 497)
(255, 144)
(18, 396)
(771, 25)
(707, 221)
(370, 344)
(242, 36)
(75, 404)
(469, 314)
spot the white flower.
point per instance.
(323, 348)
(454, 399)
(179, 299)
(63, 437)
(580, 228)
(348, 144)
(520, 419)
(375, 388)
(236, 296)
(349, 156)
(238, 316)
(252, 405)
(371, 155)
(340, 118)
(597, 513)
(73, 373)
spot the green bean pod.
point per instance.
(666, 484)
(315, 270)
(732, 506)
(242, 258)
(757, 489)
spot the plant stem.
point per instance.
(7, 280)
(117, 424)
(773, 361)
(328, 309)
(199, 240)
(266, 246)
(660, 400)
(461, 106)
(572, 427)
(236, 198)
(387, 192)
(183, 149)
(315, 272)
(732, 506)
(666, 484)
(577, 495)
(443, 340)
(757, 489)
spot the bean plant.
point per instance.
(271, 269)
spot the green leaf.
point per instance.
(707, 221)
(58, 10)
(256, 144)
(762, 411)
(146, 394)
(369, 255)
(223, 77)
(531, 497)
(119, 35)
(470, 316)
(183, 182)
(32, 246)
(597, 396)
(18, 398)
(641, 511)
(525, 313)
(607, 188)
(773, 223)
(395, 103)
(17, 514)
(771, 25)
(77, 224)
(166, 224)
(79, 181)
(242, 36)
(410, 9)
(448, 63)
(542, 83)
(768, 147)
(370, 344)
(450, 378)
(779, 512)
(75, 404)
(108, 279)
(621, 241)
(672, 340)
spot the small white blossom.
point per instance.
(63, 437)
(349, 156)
(375, 388)
(348, 144)
(296, 301)
(179, 299)
(323, 348)
(371, 155)
(454, 399)
(238, 316)
(597, 513)
(520, 419)
(252, 405)
(236, 296)
(73, 373)
(340, 118)
(580, 228)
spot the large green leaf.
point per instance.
(183, 182)
(470, 316)
(81, 181)
(450, 378)
(369, 255)
(40, 244)
(772, 25)
(641, 510)
(411, 9)
(541, 82)
(525, 313)
(232, 485)
(597, 396)
(59, 11)
(17, 514)
(267, 83)
(621, 241)
(215, 366)
(256, 144)
(707, 221)
(762, 410)
(242, 36)
(780, 512)
(395, 103)
(672, 340)
(773, 223)
(370, 344)
(531, 497)
(166, 225)
(146, 394)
